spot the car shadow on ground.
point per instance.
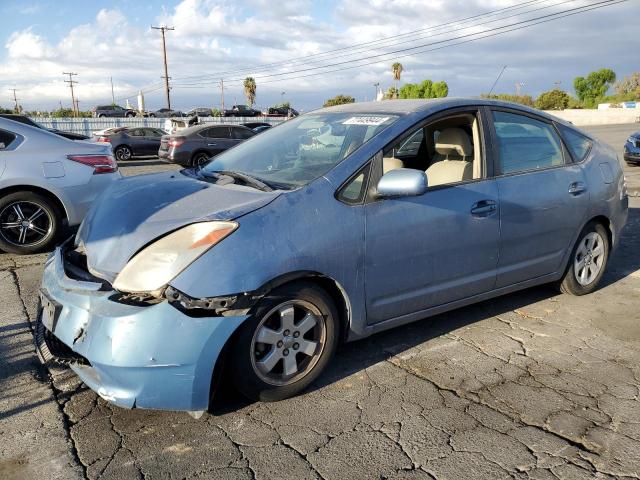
(357, 356)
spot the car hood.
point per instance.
(135, 211)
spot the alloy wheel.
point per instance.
(25, 223)
(123, 153)
(200, 159)
(589, 258)
(288, 342)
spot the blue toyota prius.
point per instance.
(330, 227)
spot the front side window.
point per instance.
(578, 144)
(448, 150)
(302, 149)
(525, 143)
(241, 133)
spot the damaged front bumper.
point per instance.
(153, 356)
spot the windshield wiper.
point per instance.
(247, 179)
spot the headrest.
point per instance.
(454, 141)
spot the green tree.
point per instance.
(216, 112)
(250, 90)
(62, 113)
(629, 85)
(339, 100)
(425, 89)
(521, 99)
(555, 99)
(391, 93)
(6, 110)
(396, 68)
(594, 87)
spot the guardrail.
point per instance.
(86, 126)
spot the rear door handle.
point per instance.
(212, 144)
(484, 208)
(577, 188)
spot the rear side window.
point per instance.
(525, 143)
(6, 139)
(578, 144)
(241, 133)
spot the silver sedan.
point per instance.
(46, 182)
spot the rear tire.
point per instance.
(130, 115)
(588, 261)
(199, 159)
(298, 324)
(29, 223)
(123, 153)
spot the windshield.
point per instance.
(300, 150)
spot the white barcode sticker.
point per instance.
(367, 120)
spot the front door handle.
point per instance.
(212, 144)
(484, 208)
(577, 188)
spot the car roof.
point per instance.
(26, 129)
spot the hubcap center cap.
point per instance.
(288, 341)
(26, 223)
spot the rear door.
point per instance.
(218, 139)
(543, 196)
(152, 137)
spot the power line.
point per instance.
(358, 46)
(489, 33)
(163, 29)
(385, 39)
(71, 83)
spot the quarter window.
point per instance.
(525, 143)
(578, 144)
(6, 139)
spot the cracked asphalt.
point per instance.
(533, 385)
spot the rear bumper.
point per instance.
(78, 199)
(136, 356)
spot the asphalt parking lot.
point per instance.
(531, 385)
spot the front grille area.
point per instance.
(637, 144)
(61, 353)
(75, 266)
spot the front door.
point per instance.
(543, 197)
(442, 246)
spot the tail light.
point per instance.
(100, 163)
(104, 139)
(176, 142)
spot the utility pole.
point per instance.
(71, 82)
(163, 29)
(222, 95)
(15, 99)
(113, 97)
(519, 86)
(376, 85)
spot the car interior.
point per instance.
(448, 150)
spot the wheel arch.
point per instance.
(329, 285)
(606, 223)
(40, 191)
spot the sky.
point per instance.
(301, 51)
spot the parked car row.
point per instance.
(336, 225)
(632, 149)
(117, 111)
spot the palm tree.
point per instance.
(250, 90)
(396, 68)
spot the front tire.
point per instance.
(588, 261)
(123, 153)
(29, 223)
(287, 342)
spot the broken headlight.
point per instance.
(154, 266)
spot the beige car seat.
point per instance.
(453, 148)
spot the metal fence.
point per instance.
(87, 126)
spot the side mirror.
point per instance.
(402, 182)
(2, 146)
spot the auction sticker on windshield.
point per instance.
(368, 120)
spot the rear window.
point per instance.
(578, 144)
